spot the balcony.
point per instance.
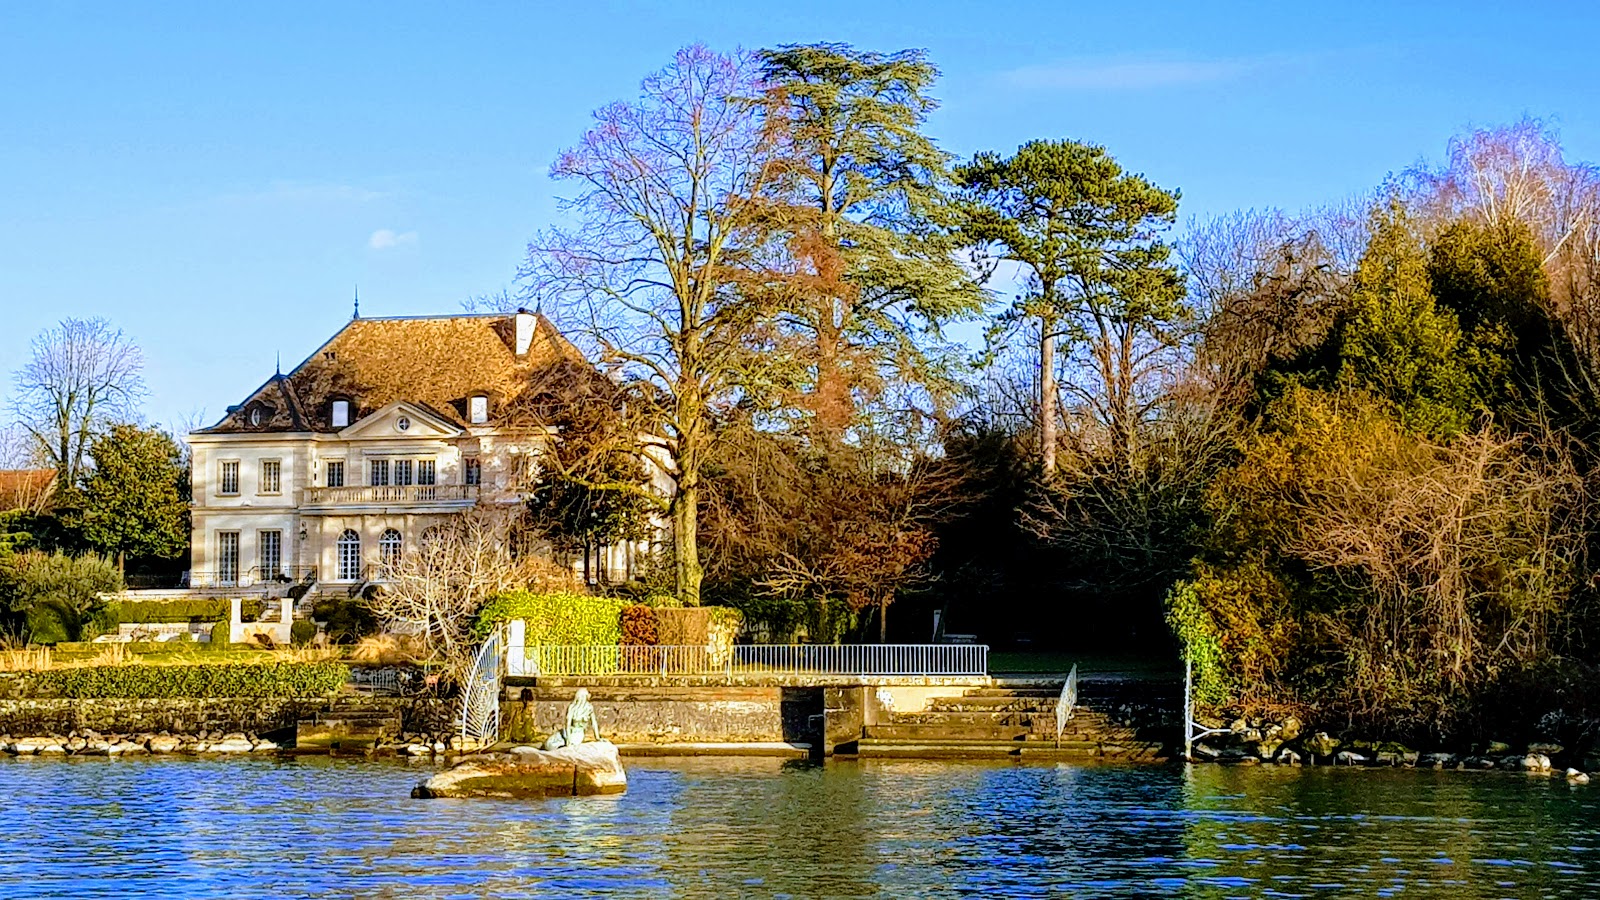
(426, 497)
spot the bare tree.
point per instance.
(670, 187)
(83, 377)
(438, 587)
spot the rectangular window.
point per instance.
(402, 471)
(269, 546)
(478, 410)
(378, 470)
(473, 470)
(425, 471)
(229, 482)
(228, 557)
(271, 477)
(341, 413)
(335, 473)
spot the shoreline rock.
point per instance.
(588, 768)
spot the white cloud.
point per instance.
(1113, 74)
(385, 239)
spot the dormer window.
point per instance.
(255, 416)
(478, 409)
(341, 413)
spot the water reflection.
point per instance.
(758, 828)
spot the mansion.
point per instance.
(326, 472)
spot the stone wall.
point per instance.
(658, 715)
(254, 715)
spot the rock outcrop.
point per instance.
(588, 768)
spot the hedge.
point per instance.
(639, 626)
(153, 612)
(203, 681)
(556, 619)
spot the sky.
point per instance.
(218, 179)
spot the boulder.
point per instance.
(1479, 762)
(1536, 762)
(1288, 758)
(1349, 758)
(1576, 777)
(1320, 744)
(588, 768)
(1496, 748)
(1546, 749)
(32, 745)
(231, 745)
(1436, 760)
(163, 744)
(1290, 728)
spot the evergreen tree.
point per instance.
(132, 500)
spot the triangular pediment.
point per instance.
(401, 419)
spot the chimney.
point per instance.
(525, 325)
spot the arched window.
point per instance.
(349, 547)
(389, 548)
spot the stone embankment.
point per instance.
(1286, 742)
(93, 743)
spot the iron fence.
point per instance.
(760, 659)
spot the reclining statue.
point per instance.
(580, 723)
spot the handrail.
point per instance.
(480, 694)
(390, 493)
(866, 660)
(1064, 705)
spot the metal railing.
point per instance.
(393, 493)
(480, 693)
(761, 659)
(1065, 703)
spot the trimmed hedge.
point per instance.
(203, 681)
(163, 612)
(556, 619)
(639, 626)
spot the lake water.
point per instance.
(318, 827)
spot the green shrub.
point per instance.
(302, 632)
(555, 619)
(639, 626)
(348, 619)
(152, 612)
(219, 634)
(206, 680)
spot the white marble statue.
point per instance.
(581, 723)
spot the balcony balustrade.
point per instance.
(391, 495)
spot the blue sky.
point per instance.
(217, 177)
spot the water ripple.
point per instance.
(315, 827)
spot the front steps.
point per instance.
(1018, 721)
(350, 723)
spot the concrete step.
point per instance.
(870, 747)
(1018, 704)
(945, 733)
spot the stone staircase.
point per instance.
(350, 723)
(1018, 720)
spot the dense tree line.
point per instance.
(1343, 456)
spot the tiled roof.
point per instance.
(25, 488)
(436, 361)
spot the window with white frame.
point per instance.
(335, 472)
(426, 471)
(228, 557)
(402, 471)
(389, 546)
(378, 472)
(269, 553)
(478, 409)
(271, 477)
(340, 413)
(228, 478)
(349, 551)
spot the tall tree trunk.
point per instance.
(685, 542)
(1047, 395)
